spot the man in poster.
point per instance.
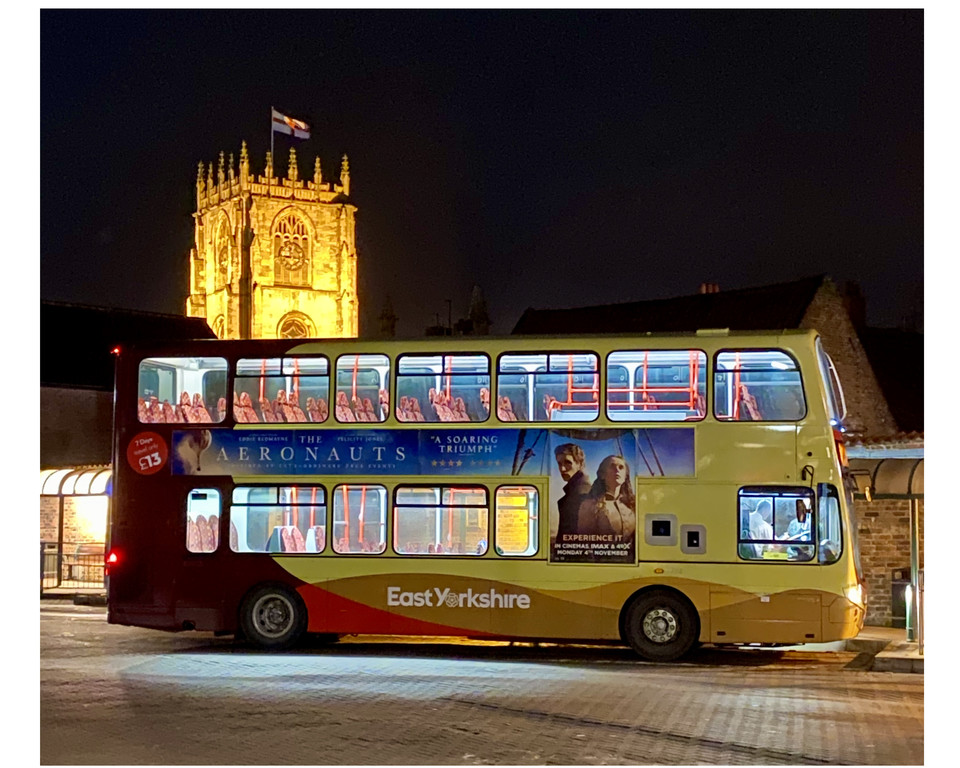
(570, 461)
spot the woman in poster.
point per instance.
(609, 507)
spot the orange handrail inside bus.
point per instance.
(553, 404)
(356, 366)
(296, 380)
(736, 386)
(313, 509)
(449, 364)
(263, 371)
(363, 507)
(346, 514)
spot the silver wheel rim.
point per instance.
(660, 626)
(273, 616)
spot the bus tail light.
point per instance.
(113, 558)
(841, 448)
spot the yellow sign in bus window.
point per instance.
(516, 521)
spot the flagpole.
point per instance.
(271, 133)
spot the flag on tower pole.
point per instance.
(283, 124)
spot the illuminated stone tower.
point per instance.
(274, 257)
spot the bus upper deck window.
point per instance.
(362, 388)
(758, 385)
(559, 386)
(443, 388)
(182, 390)
(657, 385)
(275, 390)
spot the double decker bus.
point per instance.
(657, 490)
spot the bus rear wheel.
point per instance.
(661, 625)
(273, 617)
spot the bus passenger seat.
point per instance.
(246, 409)
(187, 409)
(297, 538)
(193, 537)
(313, 412)
(402, 409)
(238, 415)
(356, 408)
(415, 410)
(143, 413)
(200, 410)
(368, 410)
(282, 408)
(234, 537)
(269, 415)
(291, 540)
(505, 409)
(460, 410)
(749, 403)
(322, 407)
(206, 535)
(550, 404)
(384, 398)
(342, 408)
(295, 409)
(156, 412)
(485, 399)
(221, 408)
(215, 530)
(169, 415)
(315, 538)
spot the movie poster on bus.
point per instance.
(593, 515)
(512, 452)
(295, 452)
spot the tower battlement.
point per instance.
(273, 256)
(218, 182)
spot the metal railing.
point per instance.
(71, 566)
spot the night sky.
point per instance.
(554, 158)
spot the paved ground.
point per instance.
(116, 695)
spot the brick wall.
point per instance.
(884, 528)
(868, 413)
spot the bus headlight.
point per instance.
(855, 594)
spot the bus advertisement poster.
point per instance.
(592, 502)
(461, 452)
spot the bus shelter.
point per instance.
(896, 473)
(73, 527)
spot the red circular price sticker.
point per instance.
(147, 453)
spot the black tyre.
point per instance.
(273, 617)
(661, 625)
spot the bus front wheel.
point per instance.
(273, 617)
(661, 625)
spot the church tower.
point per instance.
(274, 257)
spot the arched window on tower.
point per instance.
(291, 251)
(295, 325)
(222, 255)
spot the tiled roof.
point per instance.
(768, 307)
(76, 340)
(898, 440)
(902, 445)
